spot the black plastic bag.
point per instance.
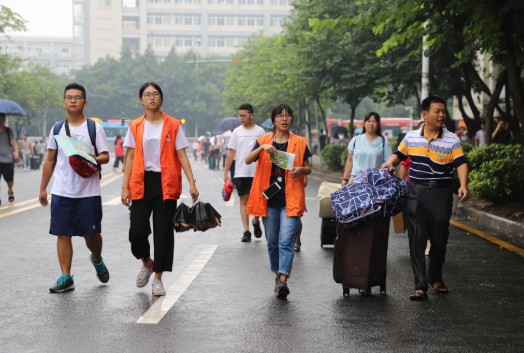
(205, 216)
(183, 219)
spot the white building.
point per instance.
(60, 55)
(216, 27)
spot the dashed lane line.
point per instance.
(488, 237)
(163, 304)
(106, 179)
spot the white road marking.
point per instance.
(113, 202)
(160, 308)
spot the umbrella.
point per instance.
(8, 107)
(337, 129)
(225, 124)
(226, 134)
(268, 124)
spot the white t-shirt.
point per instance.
(151, 144)
(66, 181)
(480, 136)
(242, 141)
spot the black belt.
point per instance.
(432, 183)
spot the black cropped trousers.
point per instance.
(163, 232)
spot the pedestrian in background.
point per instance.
(480, 135)
(26, 148)
(434, 152)
(76, 205)
(119, 152)
(502, 134)
(39, 151)
(152, 183)
(280, 211)
(240, 145)
(367, 150)
(8, 157)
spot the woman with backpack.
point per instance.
(368, 150)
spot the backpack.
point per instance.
(374, 192)
(9, 134)
(91, 128)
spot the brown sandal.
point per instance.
(440, 287)
(418, 295)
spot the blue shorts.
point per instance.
(80, 217)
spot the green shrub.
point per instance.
(467, 147)
(331, 156)
(344, 157)
(497, 172)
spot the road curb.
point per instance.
(492, 221)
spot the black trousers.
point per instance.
(428, 211)
(163, 232)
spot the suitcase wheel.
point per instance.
(365, 292)
(345, 291)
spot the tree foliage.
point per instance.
(191, 90)
(10, 21)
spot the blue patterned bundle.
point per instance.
(374, 192)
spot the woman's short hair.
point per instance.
(377, 118)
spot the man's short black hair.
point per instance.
(246, 106)
(426, 103)
(76, 86)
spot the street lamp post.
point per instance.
(410, 109)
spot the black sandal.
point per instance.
(11, 196)
(418, 295)
(440, 289)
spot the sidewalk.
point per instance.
(480, 223)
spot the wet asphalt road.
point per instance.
(230, 305)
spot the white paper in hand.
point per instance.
(73, 147)
(283, 159)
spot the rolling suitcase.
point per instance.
(34, 162)
(328, 231)
(361, 255)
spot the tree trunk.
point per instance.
(515, 83)
(490, 109)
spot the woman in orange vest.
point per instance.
(155, 157)
(280, 209)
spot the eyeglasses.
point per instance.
(149, 95)
(284, 116)
(244, 116)
(73, 98)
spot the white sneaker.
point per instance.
(158, 288)
(143, 276)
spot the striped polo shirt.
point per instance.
(432, 158)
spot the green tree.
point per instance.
(10, 21)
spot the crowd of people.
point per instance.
(272, 194)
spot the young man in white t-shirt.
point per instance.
(76, 205)
(240, 144)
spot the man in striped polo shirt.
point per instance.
(434, 152)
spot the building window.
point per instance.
(251, 21)
(188, 20)
(281, 2)
(225, 41)
(251, 2)
(220, 2)
(277, 21)
(187, 1)
(220, 20)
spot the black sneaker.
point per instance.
(257, 229)
(246, 238)
(282, 289)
